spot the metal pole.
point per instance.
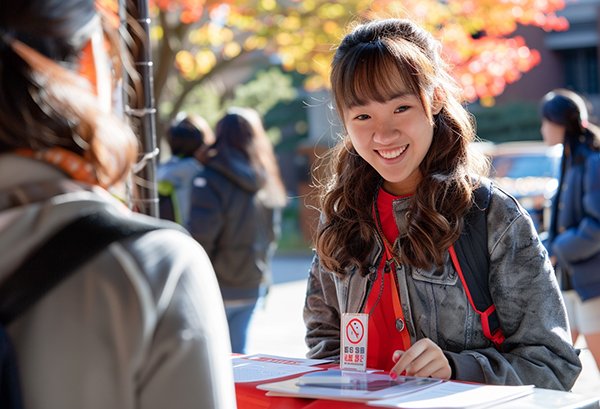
(142, 112)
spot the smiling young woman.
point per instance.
(400, 185)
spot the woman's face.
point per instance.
(552, 132)
(393, 137)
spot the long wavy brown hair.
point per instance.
(372, 63)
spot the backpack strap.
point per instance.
(471, 259)
(60, 255)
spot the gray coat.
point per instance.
(537, 349)
(140, 325)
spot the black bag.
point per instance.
(471, 260)
(64, 252)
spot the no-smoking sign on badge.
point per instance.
(353, 354)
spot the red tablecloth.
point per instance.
(248, 397)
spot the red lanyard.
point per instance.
(390, 259)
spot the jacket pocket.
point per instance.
(446, 276)
(440, 307)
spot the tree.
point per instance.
(263, 92)
(197, 41)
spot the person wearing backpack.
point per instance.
(574, 236)
(236, 215)
(401, 186)
(189, 139)
(135, 320)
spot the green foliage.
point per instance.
(268, 88)
(265, 91)
(292, 239)
(206, 102)
(516, 121)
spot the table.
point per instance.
(248, 397)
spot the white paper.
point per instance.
(362, 386)
(256, 368)
(456, 395)
(551, 399)
(284, 360)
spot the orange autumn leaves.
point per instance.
(476, 35)
(302, 34)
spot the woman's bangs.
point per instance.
(377, 76)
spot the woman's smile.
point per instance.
(392, 153)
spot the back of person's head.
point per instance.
(46, 100)
(242, 129)
(186, 136)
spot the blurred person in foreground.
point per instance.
(235, 215)
(574, 238)
(139, 324)
(189, 139)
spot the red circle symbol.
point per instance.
(355, 331)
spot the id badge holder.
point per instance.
(354, 332)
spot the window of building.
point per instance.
(581, 70)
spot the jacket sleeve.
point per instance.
(207, 214)
(186, 351)
(537, 349)
(322, 314)
(582, 242)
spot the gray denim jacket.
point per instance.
(537, 349)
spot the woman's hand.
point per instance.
(423, 359)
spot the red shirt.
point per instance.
(384, 337)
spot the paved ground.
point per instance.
(279, 330)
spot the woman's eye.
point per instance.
(401, 109)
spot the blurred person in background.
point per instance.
(574, 238)
(138, 325)
(236, 212)
(189, 139)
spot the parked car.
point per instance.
(528, 171)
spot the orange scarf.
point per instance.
(69, 162)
